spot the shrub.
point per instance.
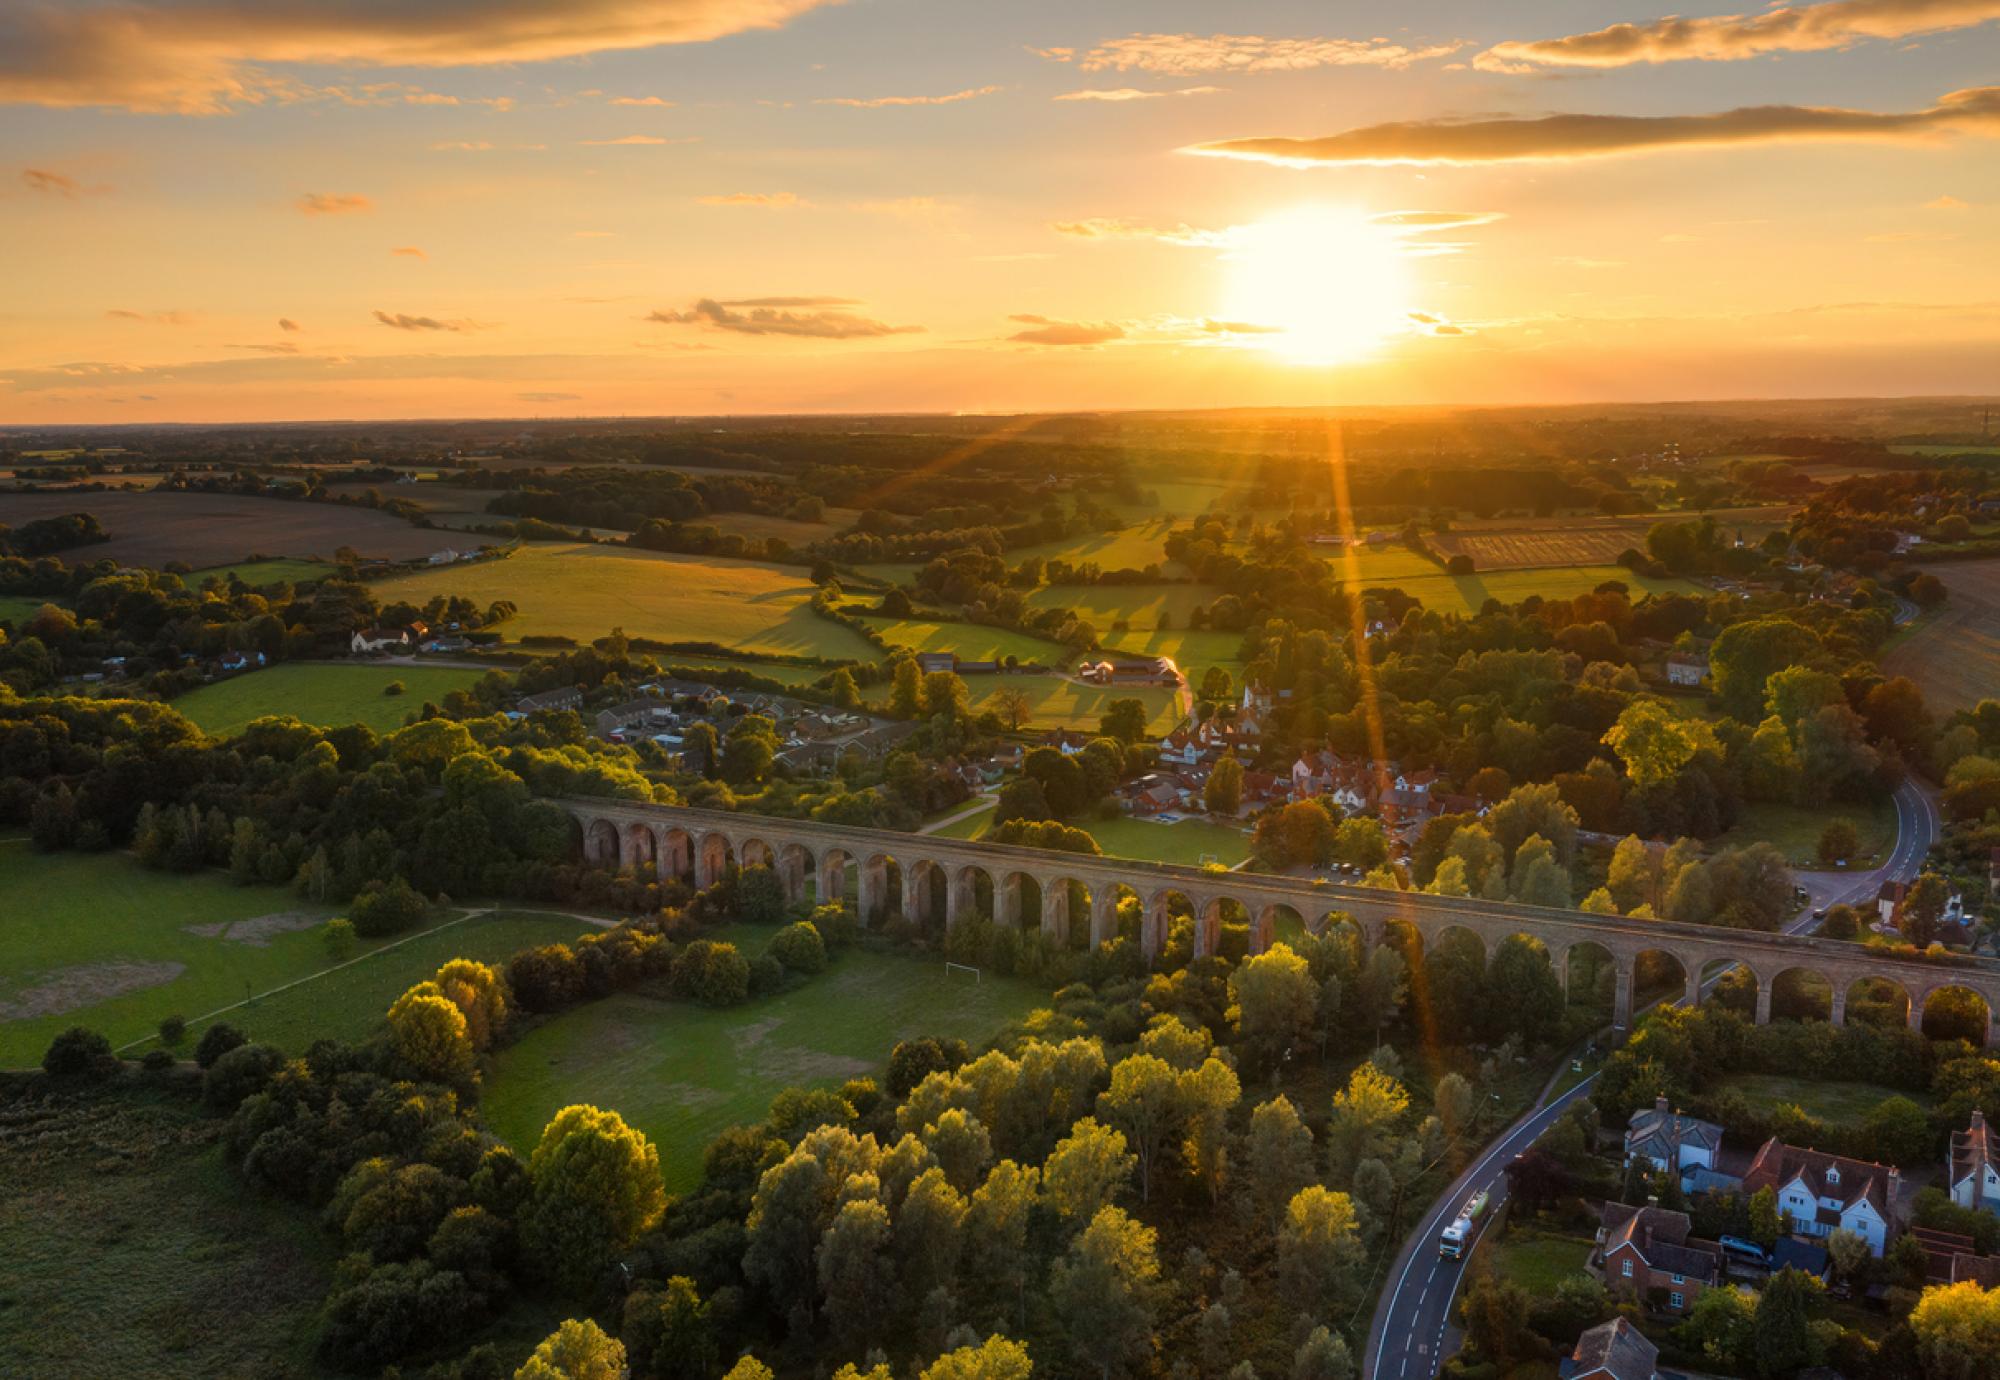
(157, 1060)
(1838, 842)
(767, 976)
(80, 1054)
(712, 973)
(545, 979)
(394, 687)
(389, 909)
(217, 1041)
(836, 923)
(800, 948)
(242, 1072)
(173, 1030)
(340, 940)
(1461, 564)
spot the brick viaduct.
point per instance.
(699, 845)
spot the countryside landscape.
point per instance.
(777, 690)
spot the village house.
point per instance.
(1068, 741)
(1157, 670)
(1973, 1168)
(1612, 1351)
(1684, 669)
(562, 697)
(1665, 1139)
(380, 640)
(1647, 1255)
(443, 556)
(1153, 794)
(1820, 1193)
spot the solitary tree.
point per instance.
(1838, 842)
(578, 1350)
(1223, 794)
(596, 1189)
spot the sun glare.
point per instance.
(1320, 285)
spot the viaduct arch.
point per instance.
(699, 845)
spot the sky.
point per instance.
(237, 210)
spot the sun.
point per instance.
(1319, 285)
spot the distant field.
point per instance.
(322, 694)
(1141, 606)
(16, 608)
(258, 574)
(1134, 547)
(1795, 829)
(1954, 652)
(761, 525)
(580, 591)
(1193, 652)
(683, 1073)
(1190, 841)
(1060, 703)
(1946, 450)
(971, 641)
(1524, 544)
(1847, 1103)
(151, 529)
(1466, 593)
(775, 670)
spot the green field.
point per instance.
(1130, 548)
(1830, 1102)
(258, 574)
(774, 670)
(1139, 606)
(1060, 703)
(971, 641)
(18, 608)
(582, 592)
(133, 1250)
(1535, 1262)
(323, 694)
(1466, 593)
(684, 1073)
(1193, 652)
(1191, 841)
(1946, 450)
(1795, 830)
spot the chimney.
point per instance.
(1660, 1104)
(1978, 1121)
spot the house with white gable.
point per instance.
(1820, 1193)
(1663, 1137)
(1973, 1168)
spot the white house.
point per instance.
(380, 640)
(1974, 1166)
(1664, 1138)
(1820, 1193)
(1683, 669)
(442, 557)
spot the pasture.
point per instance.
(971, 641)
(1466, 593)
(261, 574)
(1835, 1103)
(18, 608)
(1526, 543)
(1135, 547)
(684, 1073)
(1191, 841)
(1794, 830)
(580, 591)
(324, 694)
(1194, 652)
(1953, 652)
(1137, 606)
(207, 530)
(1060, 703)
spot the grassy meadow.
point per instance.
(1795, 830)
(971, 641)
(1953, 652)
(1835, 1103)
(18, 608)
(1191, 841)
(325, 694)
(567, 589)
(1060, 703)
(684, 1073)
(260, 574)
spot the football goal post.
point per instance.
(950, 968)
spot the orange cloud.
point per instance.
(635, 141)
(1186, 54)
(285, 323)
(1133, 93)
(1043, 331)
(409, 251)
(1732, 37)
(777, 201)
(54, 183)
(201, 57)
(333, 203)
(810, 318)
(1557, 137)
(643, 100)
(402, 321)
(877, 102)
(155, 318)
(1946, 203)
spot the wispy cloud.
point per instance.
(1947, 203)
(636, 140)
(550, 397)
(1043, 330)
(463, 146)
(1407, 225)
(1133, 93)
(333, 203)
(658, 101)
(1188, 54)
(202, 57)
(281, 347)
(409, 251)
(155, 318)
(285, 323)
(776, 201)
(1558, 137)
(403, 321)
(808, 318)
(50, 182)
(1733, 37)
(877, 102)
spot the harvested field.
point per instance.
(85, 984)
(151, 529)
(1520, 544)
(1954, 652)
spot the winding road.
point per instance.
(1412, 1326)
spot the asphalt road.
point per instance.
(1412, 1324)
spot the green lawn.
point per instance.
(1832, 1102)
(1191, 841)
(684, 1073)
(18, 608)
(324, 694)
(1060, 703)
(1466, 593)
(258, 574)
(774, 670)
(971, 641)
(1535, 1262)
(581, 591)
(1795, 830)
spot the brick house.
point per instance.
(1648, 1256)
(1613, 1351)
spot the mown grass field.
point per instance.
(18, 608)
(1059, 703)
(1191, 841)
(1833, 1102)
(971, 641)
(1795, 829)
(1193, 652)
(581, 591)
(260, 574)
(1536, 1262)
(1129, 548)
(323, 694)
(1467, 593)
(1138, 606)
(1953, 652)
(775, 670)
(684, 1073)
(133, 1250)
(207, 530)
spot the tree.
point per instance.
(1223, 793)
(217, 1041)
(1957, 1328)
(1898, 1131)
(1278, 1155)
(480, 993)
(578, 1350)
(1013, 707)
(1496, 1315)
(1208, 1095)
(1655, 744)
(944, 694)
(1781, 1339)
(996, 1233)
(670, 1333)
(1319, 1251)
(428, 1033)
(1718, 1327)
(749, 1368)
(857, 1273)
(81, 1055)
(751, 747)
(1634, 878)
(390, 908)
(1143, 1101)
(961, 1145)
(339, 939)
(1360, 842)
(1086, 1170)
(1323, 1356)
(996, 1358)
(1272, 1003)
(930, 1232)
(1842, 922)
(1534, 810)
(1124, 719)
(1363, 1114)
(1922, 909)
(1105, 1292)
(1838, 842)
(1764, 1220)
(1452, 1100)
(596, 1188)
(799, 947)
(1850, 1253)
(906, 690)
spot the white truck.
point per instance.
(1457, 1236)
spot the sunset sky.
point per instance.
(242, 210)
